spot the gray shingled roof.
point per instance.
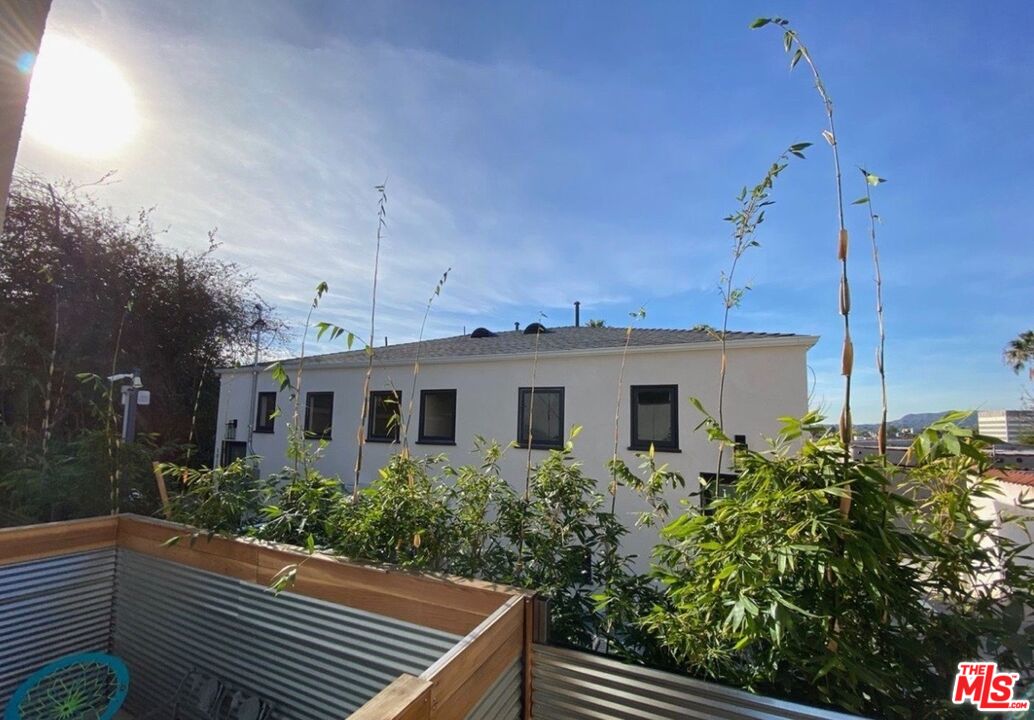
(514, 342)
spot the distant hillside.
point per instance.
(919, 421)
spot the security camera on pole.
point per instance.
(133, 395)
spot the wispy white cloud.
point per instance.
(278, 143)
(540, 185)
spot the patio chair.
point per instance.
(197, 697)
(242, 705)
(203, 696)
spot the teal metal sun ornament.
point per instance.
(85, 686)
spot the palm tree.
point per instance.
(1019, 353)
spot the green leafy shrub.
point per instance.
(775, 590)
(426, 515)
(72, 479)
(478, 498)
(402, 518)
(302, 508)
(224, 500)
(565, 531)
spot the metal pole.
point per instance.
(252, 409)
(129, 417)
(129, 414)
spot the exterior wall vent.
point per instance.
(535, 328)
(482, 333)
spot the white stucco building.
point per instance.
(480, 384)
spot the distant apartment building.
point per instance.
(1009, 426)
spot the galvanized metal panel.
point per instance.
(503, 699)
(50, 608)
(313, 659)
(573, 685)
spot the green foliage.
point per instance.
(776, 590)
(650, 483)
(78, 284)
(745, 221)
(772, 588)
(564, 527)
(1019, 353)
(478, 496)
(83, 292)
(467, 520)
(301, 508)
(224, 500)
(403, 518)
(71, 481)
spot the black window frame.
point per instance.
(395, 432)
(237, 448)
(522, 421)
(309, 433)
(635, 443)
(707, 494)
(265, 424)
(422, 437)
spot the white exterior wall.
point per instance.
(1013, 500)
(1012, 517)
(766, 380)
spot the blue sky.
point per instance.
(552, 152)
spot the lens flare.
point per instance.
(25, 62)
(79, 101)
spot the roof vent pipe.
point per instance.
(517, 326)
(577, 314)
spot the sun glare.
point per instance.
(79, 101)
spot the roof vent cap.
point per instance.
(482, 333)
(535, 328)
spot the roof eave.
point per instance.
(805, 341)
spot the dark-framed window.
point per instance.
(711, 490)
(437, 417)
(655, 417)
(545, 409)
(319, 415)
(384, 412)
(233, 450)
(264, 415)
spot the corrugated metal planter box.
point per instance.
(342, 640)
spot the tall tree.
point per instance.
(1019, 353)
(83, 291)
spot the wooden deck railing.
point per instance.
(32, 542)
